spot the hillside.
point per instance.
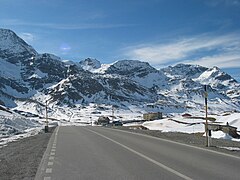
(77, 89)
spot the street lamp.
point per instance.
(206, 117)
(46, 116)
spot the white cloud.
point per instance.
(222, 61)
(28, 37)
(17, 22)
(215, 3)
(202, 49)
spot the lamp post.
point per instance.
(206, 116)
(46, 116)
(112, 112)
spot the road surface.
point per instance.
(91, 153)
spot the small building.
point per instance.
(117, 123)
(152, 116)
(231, 130)
(103, 120)
(186, 115)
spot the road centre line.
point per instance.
(144, 156)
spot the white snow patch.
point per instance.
(14, 126)
(230, 148)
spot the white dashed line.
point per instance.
(50, 163)
(49, 170)
(51, 158)
(47, 178)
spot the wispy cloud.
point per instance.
(79, 26)
(215, 3)
(28, 37)
(221, 60)
(208, 50)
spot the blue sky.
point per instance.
(161, 32)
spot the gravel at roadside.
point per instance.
(196, 139)
(20, 159)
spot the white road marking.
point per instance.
(52, 153)
(50, 163)
(145, 157)
(178, 143)
(47, 178)
(47, 160)
(49, 170)
(51, 158)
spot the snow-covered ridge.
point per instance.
(90, 64)
(215, 76)
(121, 80)
(29, 79)
(129, 67)
(12, 43)
(183, 71)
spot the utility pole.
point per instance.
(112, 113)
(206, 116)
(46, 115)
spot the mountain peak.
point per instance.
(10, 41)
(183, 70)
(90, 64)
(6, 32)
(130, 67)
(216, 74)
(13, 48)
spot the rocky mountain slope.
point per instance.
(30, 78)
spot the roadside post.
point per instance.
(91, 121)
(46, 115)
(112, 112)
(206, 116)
(209, 138)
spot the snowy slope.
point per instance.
(194, 125)
(29, 79)
(90, 64)
(11, 43)
(14, 126)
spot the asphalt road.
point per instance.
(76, 153)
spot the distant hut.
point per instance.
(103, 120)
(186, 115)
(152, 116)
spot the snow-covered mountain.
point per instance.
(90, 64)
(30, 78)
(13, 49)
